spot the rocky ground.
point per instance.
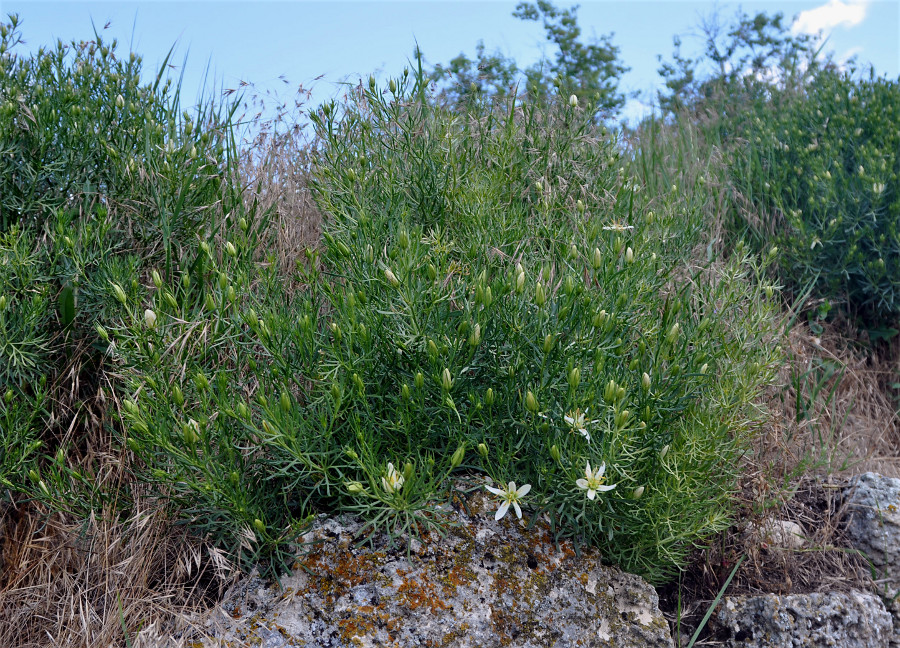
(489, 583)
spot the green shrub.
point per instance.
(101, 176)
(493, 295)
(822, 166)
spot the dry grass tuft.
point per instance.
(100, 582)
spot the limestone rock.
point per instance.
(854, 620)
(485, 583)
(873, 521)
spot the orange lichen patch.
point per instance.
(416, 594)
(337, 574)
(353, 628)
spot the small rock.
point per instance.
(778, 534)
(854, 620)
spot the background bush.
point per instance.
(821, 164)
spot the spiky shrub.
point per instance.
(493, 295)
(823, 166)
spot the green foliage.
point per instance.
(589, 71)
(493, 295)
(78, 127)
(100, 176)
(823, 166)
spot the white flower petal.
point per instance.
(587, 471)
(591, 494)
(603, 489)
(496, 491)
(518, 510)
(502, 510)
(511, 488)
(581, 483)
(524, 490)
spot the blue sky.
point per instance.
(262, 42)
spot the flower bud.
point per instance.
(483, 450)
(177, 395)
(636, 494)
(531, 402)
(488, 297)
(150, 318)
(431, 272)
(704, 368)
(446, 380)
(475, 336)
(432, 350)
(392, 85)
(579, 205)
(672, 335)
(104, 335)
(408, 471)
(599, 319)
(574, 377)
(120, 101)
(419, 380)
(573, 101)
(391, 277)
(230, 249)
(210, 304)
(119, 293)
(597, 259)
(285, 402)
(403, 239)
(539, 298)
(645, 381)
(629, 255)
(554, 452)
(201, 382)
(170, 299)
(190, 432)
(489, 397)
(458, 456)
(157, 279)
(548, 343)
(520, 282)
(8, 396)
(355, 488)
(663, 452)
(610, 392)
(358, 382)
(259, 525)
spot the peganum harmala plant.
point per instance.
(494, 295)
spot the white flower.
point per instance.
(618, 227)
(510, 495)
(593, 482)
(394, 480)
(576, 421)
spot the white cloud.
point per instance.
(828, 16)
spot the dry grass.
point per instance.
(101, 581)
(832, 410)
(275, 168)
